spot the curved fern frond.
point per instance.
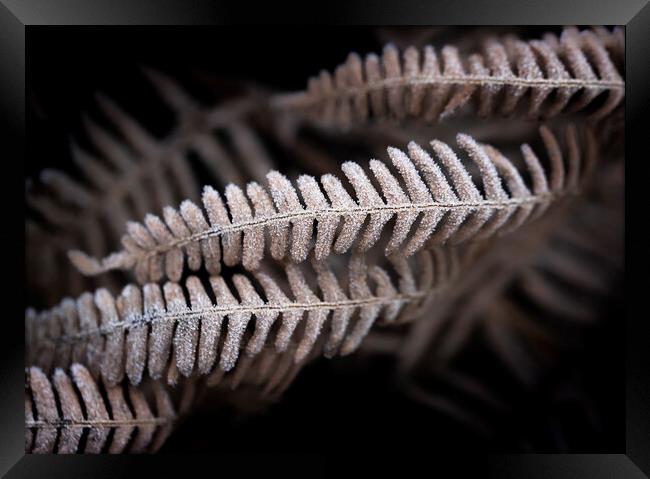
(71, 413)
(442, 193)
(156, 329)
(545, 74)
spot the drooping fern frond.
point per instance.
(567, 280)
(155, 328)
(443, 193)
(552, 274)
(71, 413)
(528, 332)
(541, 314)
(549, 76)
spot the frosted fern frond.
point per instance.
(548, 76)
(70, 412)
(440, 192)
(155, 329)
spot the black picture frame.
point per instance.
(19, 16)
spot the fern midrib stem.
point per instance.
(198, 313)
(339, 212)
(304, 99)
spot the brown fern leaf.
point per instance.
(443, 194)
(550, 73)
(155, 328)
(72, 413)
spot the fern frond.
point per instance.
(548, 73)
(58, 411)
(155, 328)
(442, 193)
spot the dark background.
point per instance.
(340, 402)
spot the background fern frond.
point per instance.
(160, 169)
